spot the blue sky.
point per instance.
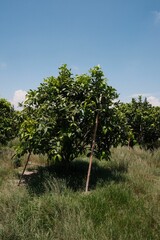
(123, 36)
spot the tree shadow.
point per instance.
(74, 176)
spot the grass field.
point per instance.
(123, 202)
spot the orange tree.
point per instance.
(58, 117)
(8, 121)
(143, 123)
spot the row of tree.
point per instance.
(58, 118)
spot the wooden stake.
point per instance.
(24, 169)
(92, 150)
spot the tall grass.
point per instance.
(123, 202)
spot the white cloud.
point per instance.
(19, 96)
(153, 100)
(156, 15)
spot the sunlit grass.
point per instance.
(123, 202)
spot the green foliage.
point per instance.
(59, 117)
(8, 122)
(143, 123)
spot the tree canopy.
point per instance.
(143, 122)
(58, 117)
(8, 121)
